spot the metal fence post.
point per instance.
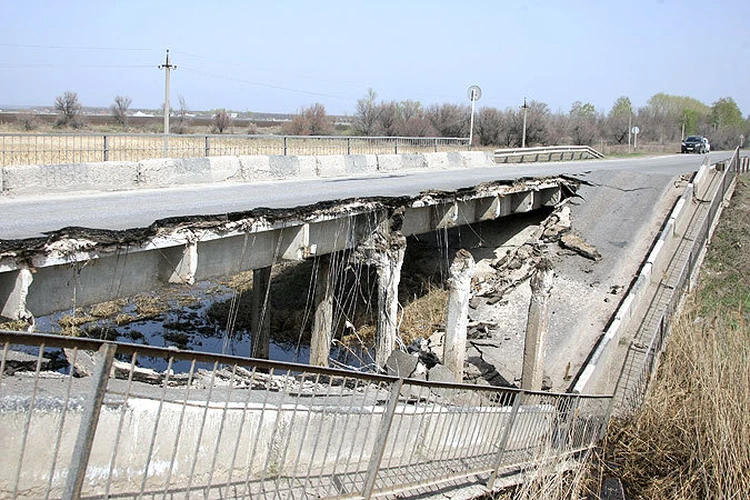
(208, 147)
(504, 440)
(284, 145)
(395, 146)
(348, 145)
(436, 148)
(382, 439)
(89, 420)
(106, 148)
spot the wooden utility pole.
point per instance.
(167, 68)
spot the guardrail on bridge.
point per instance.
(227, 427)
(519, 154)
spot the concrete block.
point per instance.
(308, 167)
(361, 164)
(166, 172)
(42, 179)
(390, 163)
(255, 168)
(474, 159)
(225, 168)
(331, 166)
(437, 161)
(283, 167)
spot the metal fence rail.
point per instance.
(642, 359)
(54, 149)
(519, 154)
(229, 427)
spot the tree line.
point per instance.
(664, 119)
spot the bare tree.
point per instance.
(583, 120)
(366, 117)
(119, 109)
(450, 120)
(70, 110)
(310, 121)
(492, 127)
(183, 120)
(28, 121)
(222, 121)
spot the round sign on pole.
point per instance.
(635, 130)
(474, 93)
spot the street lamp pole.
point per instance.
(523, 137)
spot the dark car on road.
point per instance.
(695, 144)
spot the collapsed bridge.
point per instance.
(75, 267)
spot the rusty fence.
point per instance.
(642, 358)
(55, 149)
(83, 418)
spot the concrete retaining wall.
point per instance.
(158, 173)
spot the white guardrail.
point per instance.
(520, 154)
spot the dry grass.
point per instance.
(691, 437)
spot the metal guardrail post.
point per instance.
(106, 148)
(348, 145)
(208, 146)
(382, 439)
(504, 441)
(285, 146)
(89, 420)
(436, 148)
(395, 146)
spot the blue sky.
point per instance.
(282, 55)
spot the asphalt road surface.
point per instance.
(27, 217)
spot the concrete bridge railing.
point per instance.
(82, 418)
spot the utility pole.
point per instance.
(523, 138)
(167, 67)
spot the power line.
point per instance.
(74, 47)
(266, 85)
(45, 65)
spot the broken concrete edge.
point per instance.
(166, 172)
(177, 228)
(651, 269)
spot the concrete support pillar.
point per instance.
(14, 288)
(457, 318)
(536, 327)
(185, 270)
(388, 264)
(320, 342)
(260, 314)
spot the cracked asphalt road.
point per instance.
(32, 216)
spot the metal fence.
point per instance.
(642, 359)
(54, 149)
(81, 418)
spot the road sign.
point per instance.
(474, 93)
(635, 130)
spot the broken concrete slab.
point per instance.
(574, 241)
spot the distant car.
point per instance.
(696, 144)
